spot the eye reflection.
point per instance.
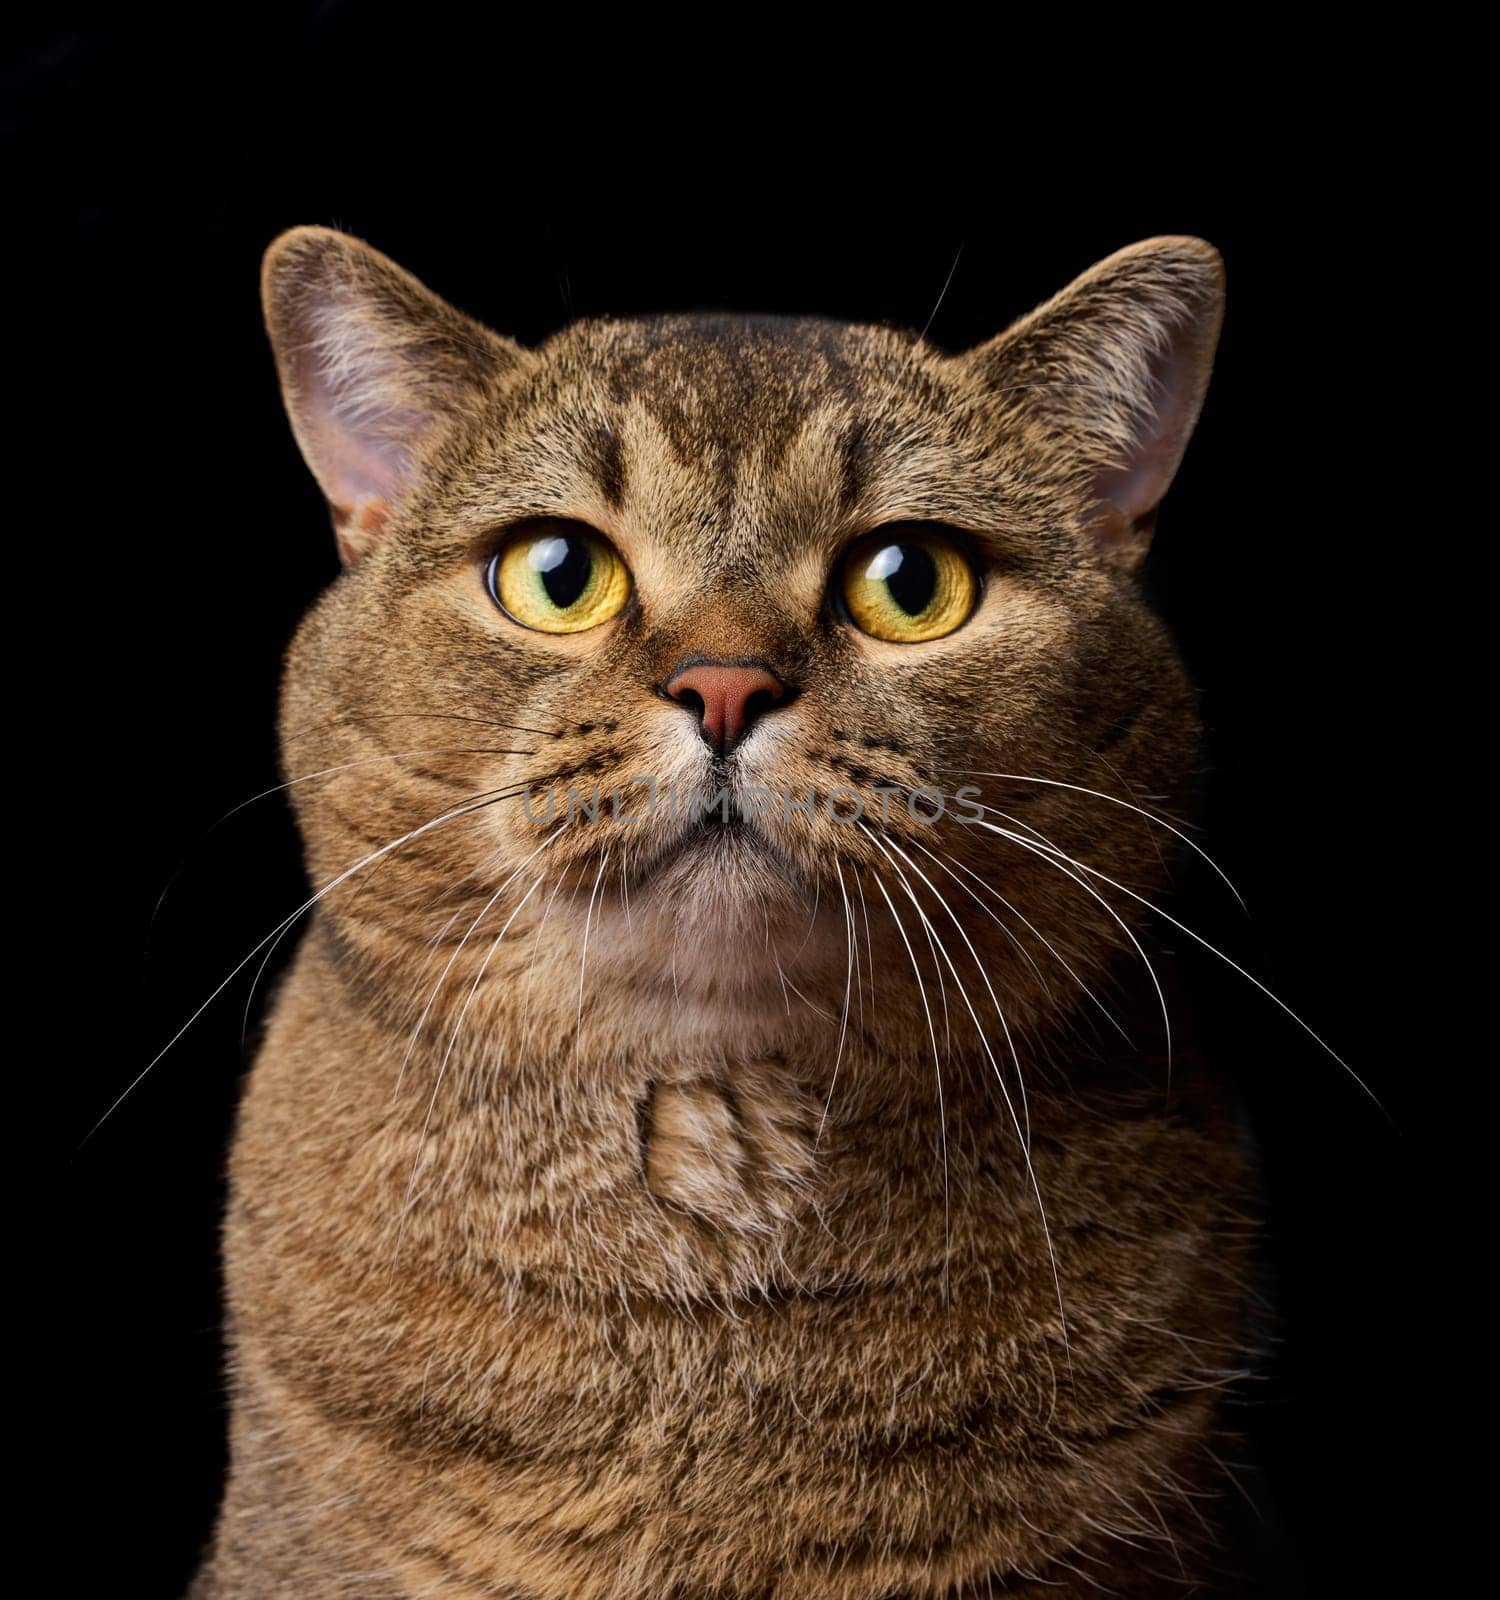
(908, 589)
(558, 582)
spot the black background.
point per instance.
(529, 186)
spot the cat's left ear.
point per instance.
(1107, 378)
(374, 370)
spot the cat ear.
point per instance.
(1113, 371)
(373, 368)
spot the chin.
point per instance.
(710, 917)
(729, 871)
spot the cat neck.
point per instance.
(557, 1153)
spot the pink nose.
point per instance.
(727, 698)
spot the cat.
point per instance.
(720, 1133)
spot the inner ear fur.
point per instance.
(1112, 373)
(373, 367)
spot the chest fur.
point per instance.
(695, 1324)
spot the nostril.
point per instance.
(761, 701)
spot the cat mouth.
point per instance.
(722, 841)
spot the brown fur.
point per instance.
(649, 1251)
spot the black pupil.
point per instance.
(565, 566)
(913, 580)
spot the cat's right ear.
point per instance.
(1105, 380)
(374, 368)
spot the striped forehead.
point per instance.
(728, 437)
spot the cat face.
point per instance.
(721, 633)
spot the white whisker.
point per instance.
(937, 1068)
(1023, 1138)
(1050, 853)
(583, 959)
(452, 1041)
(1026, 922)
(848, 974)
(1099, 794)
(890, 844)
(458, 950)
(275, 935)
(1182, 927)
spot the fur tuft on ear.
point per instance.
(1113, 370)
(373, 368)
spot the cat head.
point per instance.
(735, 640)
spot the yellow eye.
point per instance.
(908, 586)
(562, 580)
